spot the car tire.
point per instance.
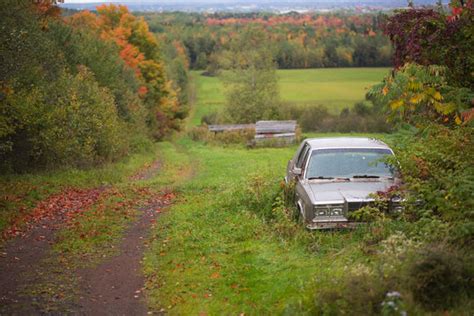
(299, 216)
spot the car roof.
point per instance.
(345, 142)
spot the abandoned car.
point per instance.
(336, 176)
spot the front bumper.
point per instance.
(332, 225)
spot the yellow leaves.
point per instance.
(417, 98)
(396, 104)
(444, 108)
(457, 120)
(414, 85)
(437, 96)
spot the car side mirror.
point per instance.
(296, 171)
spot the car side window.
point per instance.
(305, 159)
(302, 155)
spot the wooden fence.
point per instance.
(283, 132)
(280, 132)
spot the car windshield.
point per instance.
(349, 163)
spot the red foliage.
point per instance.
(64, 205)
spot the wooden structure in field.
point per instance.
(279, 132)
(230, 127)
(274, 132)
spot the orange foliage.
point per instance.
(139, 49)
(47, 7)
(84, 19)
(181, 51)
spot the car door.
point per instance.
(302, 198)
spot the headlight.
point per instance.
(321, 212)
(329, 210)
(396, 199)
(395, 205)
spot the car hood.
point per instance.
(350, 191)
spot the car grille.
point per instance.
(354, 206)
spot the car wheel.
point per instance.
(299, 216)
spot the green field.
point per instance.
(213, 252)
(335, 88)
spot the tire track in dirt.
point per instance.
(115, 287)
(21, 256)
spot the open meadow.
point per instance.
(335, 88)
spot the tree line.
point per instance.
(313, 40)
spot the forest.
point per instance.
(295, 40)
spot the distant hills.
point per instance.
(252, 6)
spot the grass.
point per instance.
(212, 254)
(334, 88)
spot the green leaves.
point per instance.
(419, 95)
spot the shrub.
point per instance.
(316, 118)
(437, 168)
(360, 292)
(420, 95)
(439, 278)
(202, 133)
(209, 119)
(73, 122)
(367, 214)
(235, 137)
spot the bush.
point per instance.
(360, 292)
(436, 163)
(316, 118)
(439, 278)
(73, 122)
(202, 133)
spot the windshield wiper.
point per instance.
(321, 178)
(365, 176)
(328, 178)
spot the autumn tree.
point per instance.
(140, 50)
(432, 80)
(435, 37)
